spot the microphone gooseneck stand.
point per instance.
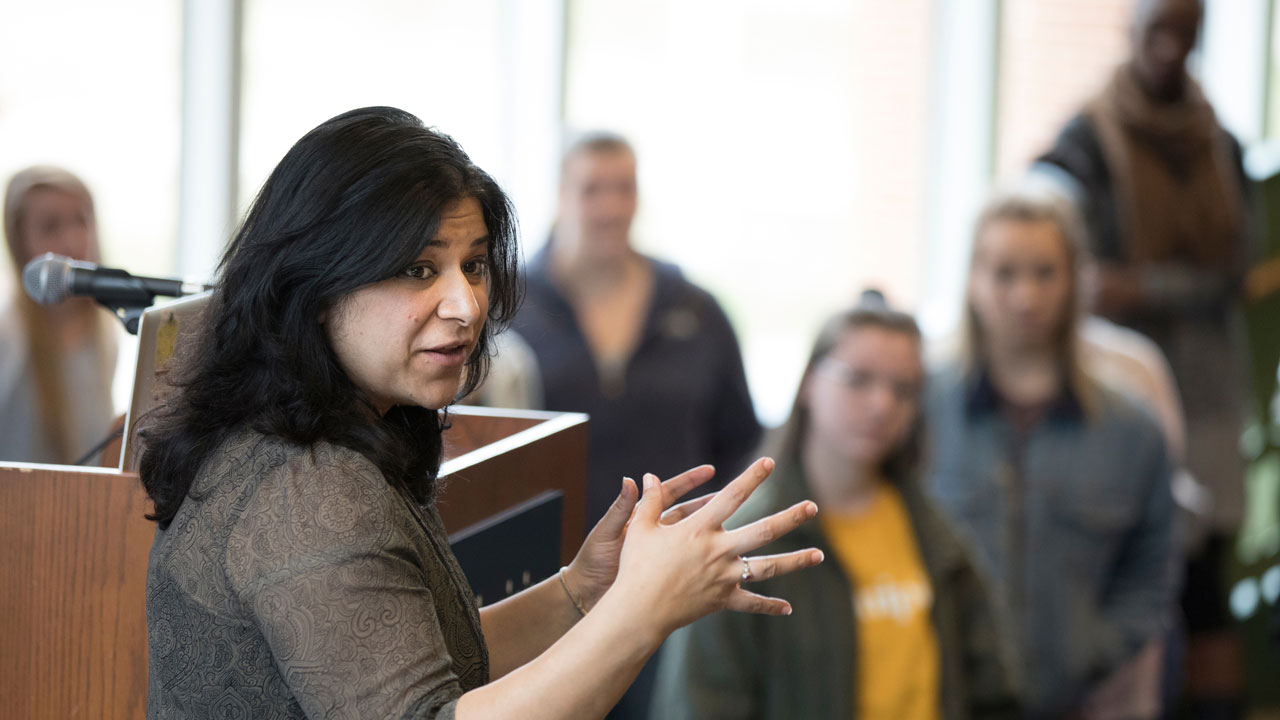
(127, 299)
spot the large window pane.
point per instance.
(1272, 129)
(453, 64)
(781, 152)
(94, 87)
(1054, 55)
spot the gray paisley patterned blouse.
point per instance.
(296, 582)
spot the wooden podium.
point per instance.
(72, 587)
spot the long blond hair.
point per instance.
(41, 334)
(1031, 202)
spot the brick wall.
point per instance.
(1055, 54)
(892, 54)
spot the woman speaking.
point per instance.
(300, 568)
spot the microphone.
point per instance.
(52, 278)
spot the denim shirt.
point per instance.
(1071, 517)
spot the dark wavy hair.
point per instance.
(872, 310)
(354, 202)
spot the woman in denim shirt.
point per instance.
(1061, 486)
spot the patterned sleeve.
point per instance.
(324, 559)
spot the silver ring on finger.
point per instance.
(746, 569)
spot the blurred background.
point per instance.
(790, 153)
(808, 148)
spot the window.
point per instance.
(484, 71)
(781, 151)
(94, 87)
(1054, 56)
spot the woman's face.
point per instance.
(59, 222)
(863, 396)
(405, 340)
(1020, 284)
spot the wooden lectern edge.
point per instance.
(553, 423)
(483, 411)
(92, 633)
(82, 469)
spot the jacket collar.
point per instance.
(983, 398)
(669, 314)
(668, 280)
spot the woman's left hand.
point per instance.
(595, 567)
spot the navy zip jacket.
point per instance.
(681, 400)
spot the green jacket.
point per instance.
(735, 665)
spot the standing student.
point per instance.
(898, 626)
(1062, 485)
(627, 338)
(631, 341)
(56, 361)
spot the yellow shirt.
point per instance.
(897, 655)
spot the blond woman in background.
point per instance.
(1060, 483)
(56, 361)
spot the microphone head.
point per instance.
(47, 278)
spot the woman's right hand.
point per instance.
(676, 565)
(680, 571)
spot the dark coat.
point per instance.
(683, 399)
(1192, 314)
(736, 665)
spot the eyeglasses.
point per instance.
(861, 381)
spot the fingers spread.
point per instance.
(735, 493)
(678, 486)
(744, 601)
(685, 509)
(619, 513)
(763, 567)
(766, 530)
(651, 504)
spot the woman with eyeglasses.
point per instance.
(899, 626)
